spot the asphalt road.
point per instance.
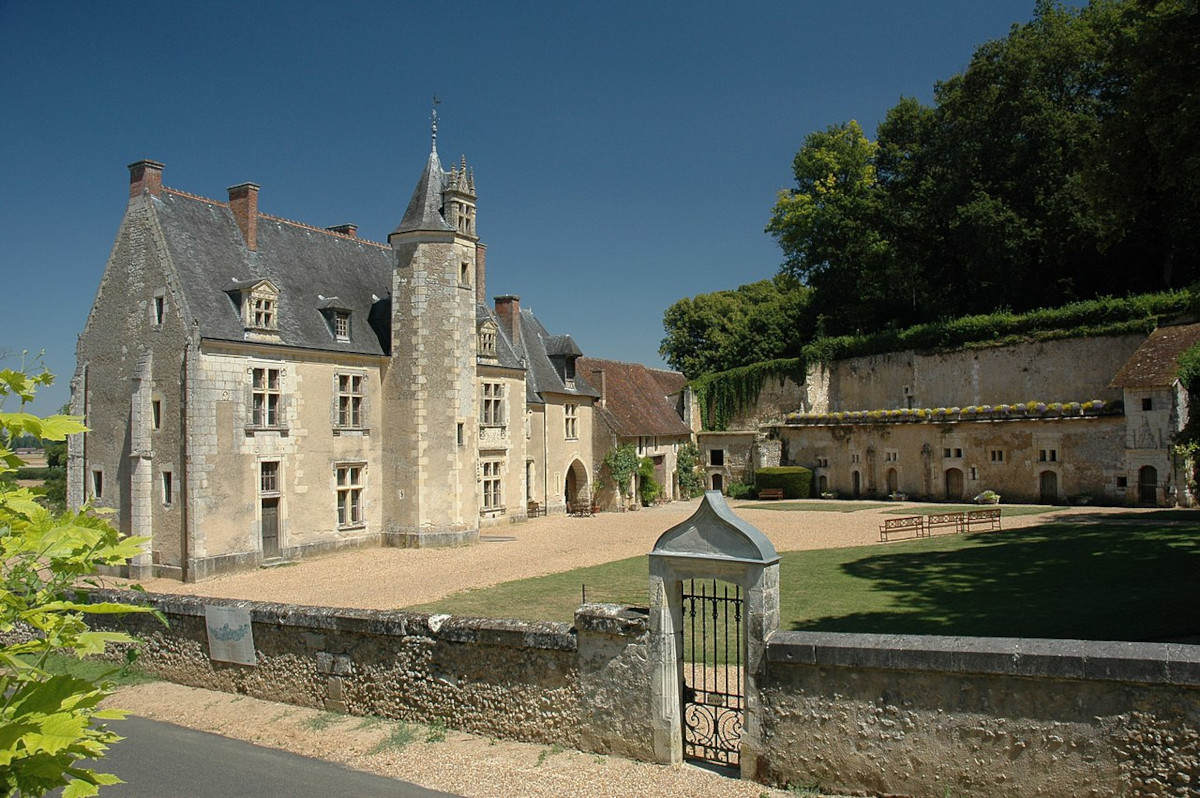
(160, 760)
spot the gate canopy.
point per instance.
(713, 532)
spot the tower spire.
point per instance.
(436, 103)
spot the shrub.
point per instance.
(795, 481)
(648, 486)
(740, 490)
(691, 480)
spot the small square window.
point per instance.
(1122, 482)
(996, 455)
(1147, 403)
(716, 457)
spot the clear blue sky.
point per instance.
(626, 154)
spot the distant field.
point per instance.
(1118, 576)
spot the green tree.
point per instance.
(714, 332)
(829, 229)
(621, 463)
(49, 723)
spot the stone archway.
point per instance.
(893, 481)
(576, 486)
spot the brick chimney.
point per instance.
(348, 230)
(243, 201)
(480, 274)
(599, 383)
(145, 177)
(508, 308)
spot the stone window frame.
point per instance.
(158, 309)
(96, 483)
(492, 405)
(350, 401)
(266, 398)
(996, 455)
(716, 458)
(571, 421)
(340, 322)
(156, 413)
(349, 485)
(491, 479)
(270, 475)
(167, 487)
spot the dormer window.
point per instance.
(341, 325)
(337, 316)
(262, 312)
(259, 305)
(487, 340)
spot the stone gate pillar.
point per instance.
(712, 544)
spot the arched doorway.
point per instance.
(822, 484)
(893, 481)
(575, 489)
(1148, 485)
(855, 484)
(1049, 487)
(718, 482)
(954, 484)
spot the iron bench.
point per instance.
(988, 519)
(892, 527)
(953, 521)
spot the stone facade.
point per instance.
(1074, 420)
(260, 389)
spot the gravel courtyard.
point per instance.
(392, 578)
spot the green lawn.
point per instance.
(1116, 577)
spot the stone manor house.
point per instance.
(259, 388)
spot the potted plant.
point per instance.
(988, 497)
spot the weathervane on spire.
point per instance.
(436, 103)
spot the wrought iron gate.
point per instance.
(713, 693)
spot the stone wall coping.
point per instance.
(452, 628)
(612, 619)
(1085, 660)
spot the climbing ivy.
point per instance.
(691, 480)
(723, 395)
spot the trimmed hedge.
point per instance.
(795, 481)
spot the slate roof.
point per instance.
(636, 398)
(542, 376)
(1155, 362)
(304, 263)
(506, 356)
(424, 210)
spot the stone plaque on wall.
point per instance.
(230, 638)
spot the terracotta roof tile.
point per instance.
(636, 397)
(1154, 363)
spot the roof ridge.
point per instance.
(189, 195)
(292, 222)
(324, 230)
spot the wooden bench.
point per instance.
(908, 526)
(771, 493)
(987, 520)
(952, 521)
(534, 509)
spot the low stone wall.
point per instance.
(581, 686)
(936, 716)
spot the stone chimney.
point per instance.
(348, 230)
(243, 201)
(599, 383)
(508, 308)
(145, 177)
(480, 274)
